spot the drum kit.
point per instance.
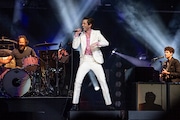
(34, 78)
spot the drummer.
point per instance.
(22, 51)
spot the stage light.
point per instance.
(93, 80)
(96, 88)
(118, 84)
(113, 51)
(135, 61)
(118, 93)
(117, 103)
(118, 64)
(118, 74)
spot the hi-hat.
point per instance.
(45, 44)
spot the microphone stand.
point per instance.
(47, 79)
(152, 61)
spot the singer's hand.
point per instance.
(77, 32)
(94, 45)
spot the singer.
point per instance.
(89, 42)
(171, 67)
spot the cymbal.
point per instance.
(45, 44)
(5, 52)
(7, 40)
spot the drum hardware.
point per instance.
(35, 89)
(51, 69)
(47, 79)
(45, 44)
(3, 39)
(7, 43)
(48, 87)
(57, 75)
(63, 56)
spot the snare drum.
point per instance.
(16, 82)
(30, 63)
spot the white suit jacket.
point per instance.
(96, 36)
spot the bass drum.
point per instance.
(16, 82)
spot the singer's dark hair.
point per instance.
(89, 20)
(170, 49)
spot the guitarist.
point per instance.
(171, 67)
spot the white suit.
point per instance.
(90, 62)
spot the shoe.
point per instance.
(110, 107)
(75, 107)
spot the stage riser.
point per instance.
(36, 108)
(145, 115)
(22, 116)
(94, 115)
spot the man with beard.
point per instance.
(22, 51)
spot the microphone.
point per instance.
(75, 30)
(156, 58)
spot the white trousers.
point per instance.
(85, 66)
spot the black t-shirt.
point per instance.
(20, 55)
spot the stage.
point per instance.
(58, 108)
(48, 108)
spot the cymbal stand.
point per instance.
(35, 89)
(36, 84)
(57, 74)
(47, 80)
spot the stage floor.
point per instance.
(58, 108)
(37, 108)
(46, 108)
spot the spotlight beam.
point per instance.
(70, 13)
(133, 60)
(146, 27)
